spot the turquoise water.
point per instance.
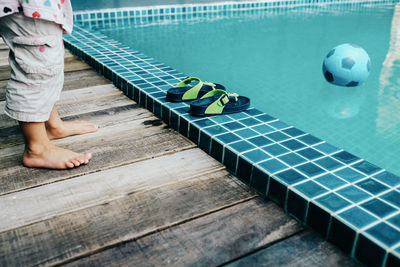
(275, 59)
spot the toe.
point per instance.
(75, 162)
(69, 164)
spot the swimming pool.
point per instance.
(275, 59)
(351, 202)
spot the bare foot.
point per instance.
(53, 157)
(67, 128)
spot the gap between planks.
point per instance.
(82, 232)
(37, 204)
(207, 240)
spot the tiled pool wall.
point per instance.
(154, 14)
(351, 202)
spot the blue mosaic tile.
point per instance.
(250, 122)
(296, 205)
(395, 220)
(310, 153)
(277, 192)
(366, 167)
(215, 130)
(357, 217)
(378, 207)
(329, 163)
(230, 159)
(246, 133)
(345, 157)
(275, 149)
(310, 140)
(393, 197)
(291, 176)
(318, 218)
(388, 178)
(259, 141)
(393, 260)
(385, 234)
(263, 129)
(349, 175)
(259, 180)
(353, 194)
(239, 115)
(277, 136)
(331, 181)
(292, 159)
(368, 252)
(293, 144)
(310, 189)
(265, 118)
(228, 138)
(205, 142)
(310, 169)
(244, 170)
(278, 125)
(256, 155)
(233, 125)
(204, 122)
(372, 186)
(217, 150)
(333, 202)
(341, 235)
(293, 132)
(273, 165)
(242, 146)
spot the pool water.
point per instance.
(276, 59)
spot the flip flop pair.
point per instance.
(207, 98)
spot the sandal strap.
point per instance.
(218, 105)
(193, 92)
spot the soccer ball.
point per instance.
(346, 65)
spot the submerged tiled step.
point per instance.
(351, 202)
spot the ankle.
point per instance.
(37, 148)
(53, 126)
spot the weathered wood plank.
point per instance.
(62, 238)
(111, 146)
(106, 97)
(12, 136)
(305, 249)
(207, 241)
(74, 64)
(72, 80)
(83, 78)
(47, 201)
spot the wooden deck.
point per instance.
(148, 197)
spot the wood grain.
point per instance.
(81, 233)
(305, 249)
(207, 241)
(22, 208)
(111, 146)
(12, 136)
(79, 101)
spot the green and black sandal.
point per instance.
(188, 90)
(219, 102)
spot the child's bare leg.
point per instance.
(56, 128)
(40, 152)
